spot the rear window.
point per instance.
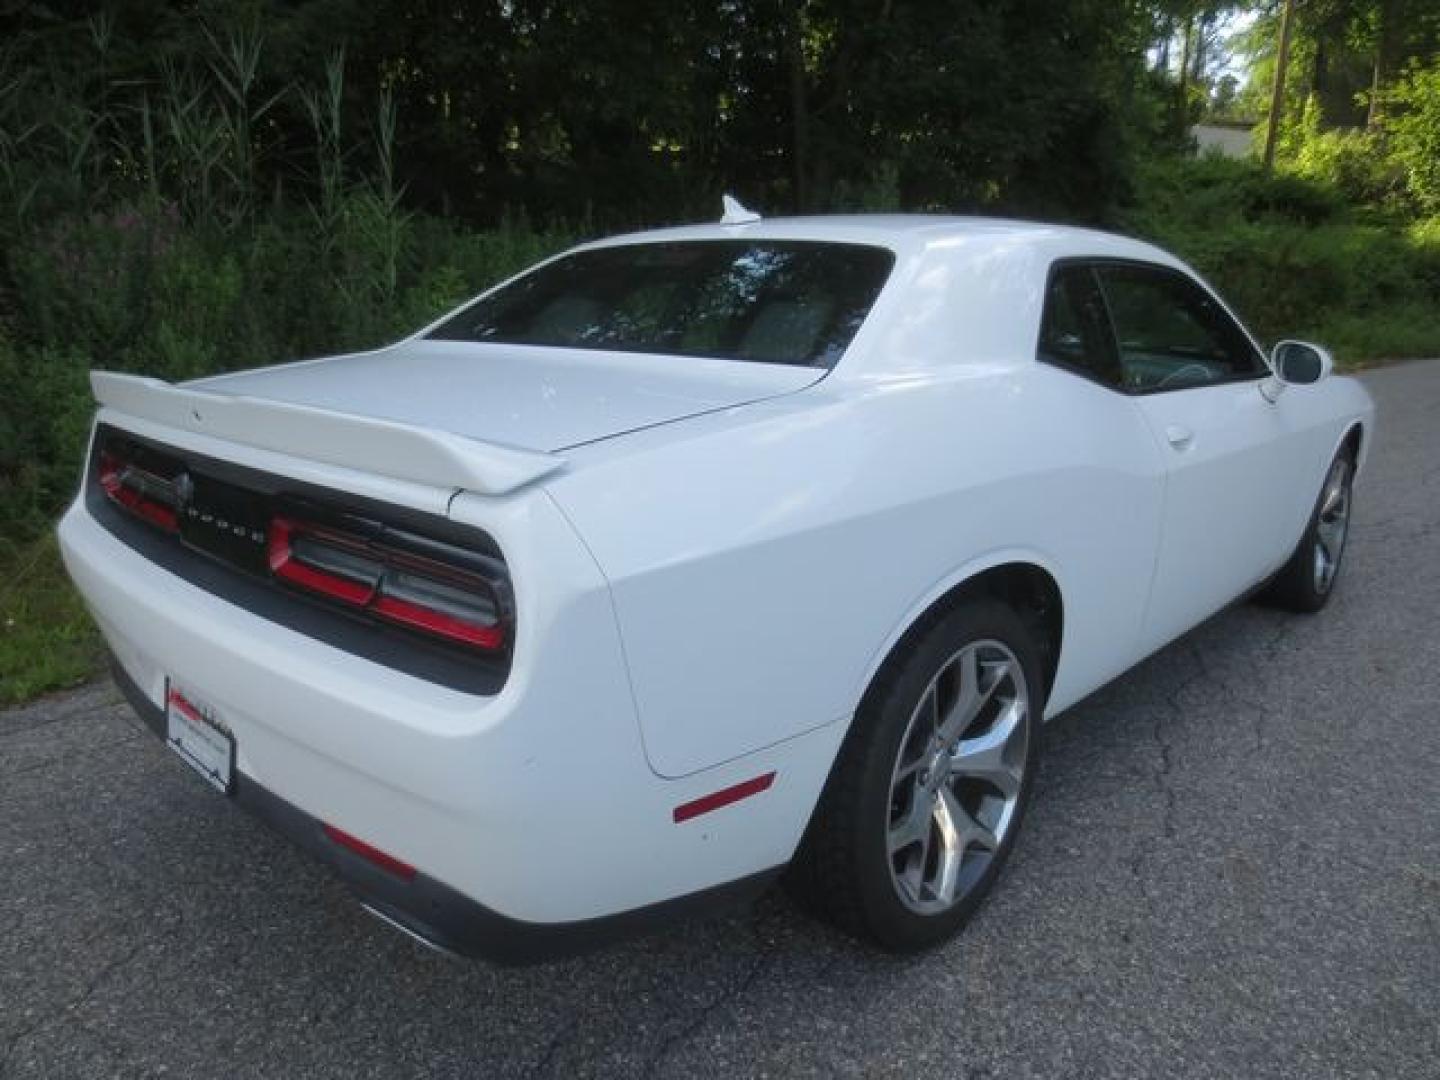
(771, 301)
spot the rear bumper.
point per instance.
(437, 914)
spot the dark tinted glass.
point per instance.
(1172, 334)
(1074, 333)
(773, 301)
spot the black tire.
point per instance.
(1299, 586)
(844, 870)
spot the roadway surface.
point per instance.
(1231, 868)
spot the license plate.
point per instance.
(195, 732)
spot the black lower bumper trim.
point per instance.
(439, 914)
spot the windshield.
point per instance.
(773, 301)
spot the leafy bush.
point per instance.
(140, 290)
(1293, 259)
(1353, 163)
(1179, 194)
(1416, 132)
(44, 421)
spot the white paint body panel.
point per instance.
(709, 580)
(371, 443)
(515, 395)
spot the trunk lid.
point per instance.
(529, 397)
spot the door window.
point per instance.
(1171, 333)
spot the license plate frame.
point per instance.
(201, 739)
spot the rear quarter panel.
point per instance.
(763, 563)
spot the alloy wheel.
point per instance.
(1331, 525)
(957, 778)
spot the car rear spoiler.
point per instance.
(383, 447)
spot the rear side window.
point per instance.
(1074, 329)
(779, 302)
(1171, 333)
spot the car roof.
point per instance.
(965, 291)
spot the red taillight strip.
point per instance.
(370, 595)
(370, 853)
(113, 483)
(284, 564)
(437, 622)
(724, 797)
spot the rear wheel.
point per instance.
(928, 793)
(1304, 584)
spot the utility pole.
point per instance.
(1277, 96)
(1385, 48)
(799, 107)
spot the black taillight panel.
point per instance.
(429, 587)
(410, 590)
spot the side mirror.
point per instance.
(1296, 363)
(1300, 363)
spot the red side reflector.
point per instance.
(724, 797)
(388, 863)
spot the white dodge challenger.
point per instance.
(690, 556)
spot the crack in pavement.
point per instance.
(25, 722)
(75, 755)
(1245, 703)
(1162, 770)
(552, 1046)
(1176, 709)
(726, 998)
(48, 1021)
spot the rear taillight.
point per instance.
(454, 592)
(143, 493)
(445, 593)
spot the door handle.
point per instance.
(1179, 437)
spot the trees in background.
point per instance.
(620, 112)
(1349, 55)
(1354, 110)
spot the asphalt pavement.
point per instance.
(1231, 868)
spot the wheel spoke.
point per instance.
(914, 827)
(949, 819)
(978, 683)
(919, 740)
(911, 842)
(910, 768)
(1334, 496)
(985, 757)
(962, 710)
(930, 709)
(968, 831)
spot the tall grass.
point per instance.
(153, 224)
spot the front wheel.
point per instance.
(928, 793)
(1304, 584)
